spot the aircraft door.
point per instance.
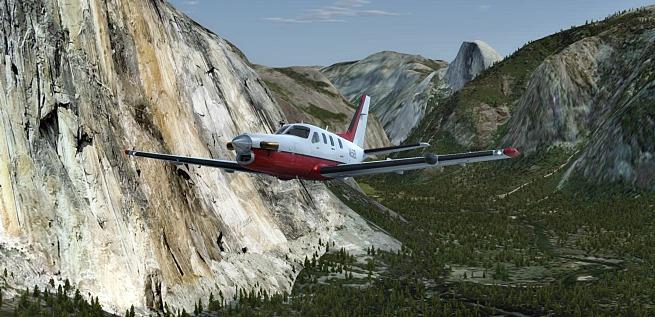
(316, 142)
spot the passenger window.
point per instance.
(331, 140)
(340, 144)
(298, 131)
(316, 138)
(324, 138)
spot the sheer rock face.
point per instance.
(305, 94)
(472, 59)
(399, 85)
(559, 97)
(597, 95)
(85, 79)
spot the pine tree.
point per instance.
(67, 286)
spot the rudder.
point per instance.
(357, 129)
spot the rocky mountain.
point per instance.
(402, 84)
(305, 94)
(84, 80)
(399, 85)
(589, 89)
(472, 59)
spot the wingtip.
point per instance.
(424, 144)
(128, 152)
(511, 152)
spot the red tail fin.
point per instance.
(357, 129)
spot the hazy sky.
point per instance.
(322, 32)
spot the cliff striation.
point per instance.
(472, 59)
(85, 79)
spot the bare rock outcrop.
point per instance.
(85, 79)
(472, 59)
(399, 84)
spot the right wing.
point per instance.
(229, 166)
(414, 163)
(393, 149)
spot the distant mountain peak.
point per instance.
(472, 58)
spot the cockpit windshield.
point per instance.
(282, 129)
(298, 131)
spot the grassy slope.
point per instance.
(322, 116)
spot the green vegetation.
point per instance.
(325, 116)
(307, 81)
(64, 301)
(283, 93)
(496, 238)
(466, 217)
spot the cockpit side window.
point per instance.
(282, 129)
(298, 131)
(331, 141)
(324, 138)
(340, 144)
(316, 138)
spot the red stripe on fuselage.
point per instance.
(285, 165)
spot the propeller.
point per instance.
(242, 144)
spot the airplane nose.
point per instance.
(242, 144)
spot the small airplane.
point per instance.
(304, 151)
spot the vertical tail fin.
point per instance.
(357, 129)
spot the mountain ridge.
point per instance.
(306, 95)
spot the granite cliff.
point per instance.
(85, 79)
(472, 58)
(399, 85)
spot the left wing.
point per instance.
(229, 166)
(407, 164)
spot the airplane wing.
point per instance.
(393, 149)
(406, 164)
(229, 166)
